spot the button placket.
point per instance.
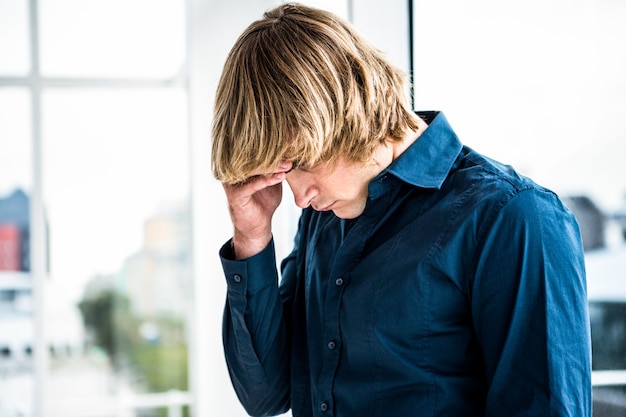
(335, 289)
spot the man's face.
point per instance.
(342, 187)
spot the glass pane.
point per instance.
(112, 38)
(537, 84)
(16, 309)
(14, 49)
(116, 193)
(541, 85)
(15, 141)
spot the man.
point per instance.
(425, 279)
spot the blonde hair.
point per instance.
(301, 85)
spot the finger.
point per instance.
(255, 184)
(284, 166)
(288, 165)
(266, 181)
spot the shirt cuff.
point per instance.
(261, 266)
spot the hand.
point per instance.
(252, 205)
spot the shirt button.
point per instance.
(332, 345)
(324, 406)
(339, 282)
(237, 278)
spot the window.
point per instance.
(117, 38)
(540, 85)
(14, 38)
(16, 325)
(95, 241)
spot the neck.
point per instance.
(386, 154)
(410, 136)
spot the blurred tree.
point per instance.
(99, 315)
(608, 335)
(158, 363)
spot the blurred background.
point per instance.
(111, 291)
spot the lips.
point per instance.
(327, 208)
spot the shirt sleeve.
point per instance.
(529, 308)
(254, 334)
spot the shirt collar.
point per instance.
(427, 162)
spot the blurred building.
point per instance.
(16, 326)
(591, 218)
(14, 232)
(16, 297)
(620, 218)
(16, 329)
(156, 279)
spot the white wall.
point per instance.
(537, 84)
(213, 28)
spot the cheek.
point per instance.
(351, 189)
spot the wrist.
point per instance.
(244, 247)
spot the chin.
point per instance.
(348, 213)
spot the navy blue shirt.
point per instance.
(460, 291)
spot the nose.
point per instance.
(303, 192)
